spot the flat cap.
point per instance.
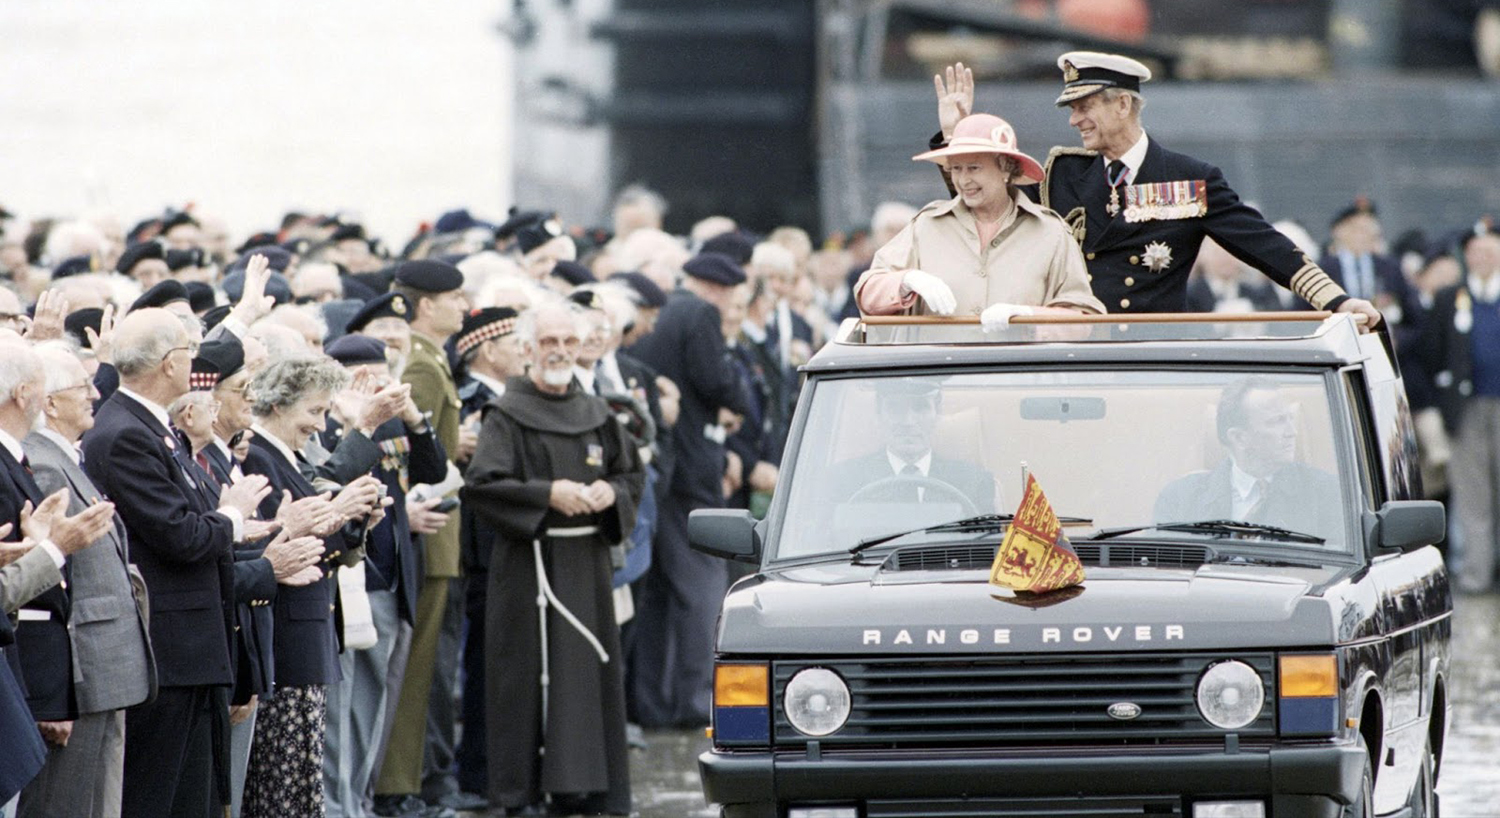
(646, 291)
(137, 253)
(76, 265)
(216, 360)
(76, 321)
(429, 276)
(483, 324)
(389, 305)
(734, 244)
(574, 273)
(164, 293)
(715, 268)
(353, 350)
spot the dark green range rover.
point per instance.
(1263, 630)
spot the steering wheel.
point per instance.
(904, 482)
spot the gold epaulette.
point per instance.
(1058, 150)
(1314, 285)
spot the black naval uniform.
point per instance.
(1139, 258)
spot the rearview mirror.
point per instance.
(724, 532)
(1411, 524)
(1062, 409)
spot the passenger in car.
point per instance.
(1260, 481)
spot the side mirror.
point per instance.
(1410, 524)
(724, 532)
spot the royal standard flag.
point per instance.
(1035, 556)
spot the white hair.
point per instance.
(709, 227)
(526, 324)
(281, 313)
(618, 301)
(891, 216)
(1137, 102)
(150, 348)
(773, 257)
(638, 194)
(1299, 236)
(482, 268)
(18, 364)
(183, 401)
(75, 238)
(54, 356)
(645, 245)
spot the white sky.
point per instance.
(393, 109)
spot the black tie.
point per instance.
(914, 493)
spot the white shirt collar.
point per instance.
(276, 443)
(157, 410)
(609, 367)
(223, 448)
(69, 448)
(1242, 483)
(923, 463)
(1486, 291)
(495, 386)
(12, 445)
(585, 378)
(1134, 157)
(753, 332)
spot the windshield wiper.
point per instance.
(1223, 528)
(983, 522)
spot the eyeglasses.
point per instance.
(192, 350)
(84, 385)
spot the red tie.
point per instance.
(202, 459)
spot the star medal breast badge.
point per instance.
(1158, 256)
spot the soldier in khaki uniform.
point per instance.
(989, 251)
(432, 290)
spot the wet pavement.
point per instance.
(665, 775)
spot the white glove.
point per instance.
(937, 294)
(997, 316)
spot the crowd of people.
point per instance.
(305, 525)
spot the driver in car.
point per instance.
(905, 469)
(1260, 481)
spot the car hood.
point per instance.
(833, 609)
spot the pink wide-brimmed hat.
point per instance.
(986, 133)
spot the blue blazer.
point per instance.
(182, 546)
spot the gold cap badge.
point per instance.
(398, 305)
(1070, 74)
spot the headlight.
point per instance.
(1230, 695)
(816, 701)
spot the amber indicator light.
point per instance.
(741, 685)
(1308, 676)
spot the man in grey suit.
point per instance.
(112, 663)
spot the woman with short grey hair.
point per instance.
(290, 400)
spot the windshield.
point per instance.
(884, 455)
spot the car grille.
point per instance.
(982, 555)
(1025, 808)
(1030, 702)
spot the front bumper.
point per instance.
(1294, 780)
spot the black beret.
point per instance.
(177, 219)
(519, 219)
(574, 273)
(76, 321)
(588, 299)
(483, 324)
(734, 244)
(138, 253)
(353, 350)
(390, 305)
(279, 258)
(216, 360)
(645, 289)
(215, 316)
(182, 259)
(715, 268)
(1361, 206)
(143, 231)
(429, 276)
(162, 294)
(457, 221)
(537, 233)
(278, 287)
(200, 296)
(348, 231)
(77, 265)
(257, 240)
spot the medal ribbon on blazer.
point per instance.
(1183, 199)
(395, 456)
(1035, 555)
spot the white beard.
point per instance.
(557, 377)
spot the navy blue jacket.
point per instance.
(43, 645)
(182, 546)
(254, 590)
(687, 346)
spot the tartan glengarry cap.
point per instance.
(216, 360)
(483, 324)
(1089, 72)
